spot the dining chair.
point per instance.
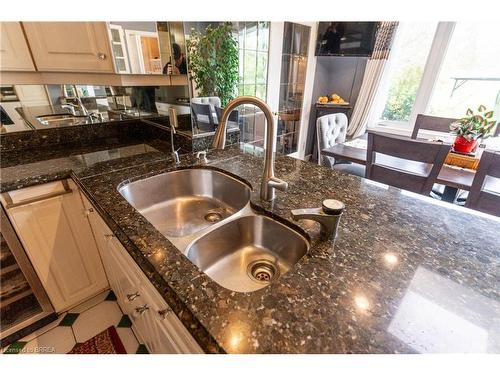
(438, 124)
(232, 119)
(331, 129)
(496, 133)
(404, 163)
(203, 118)
(484, 194)
(212, 100)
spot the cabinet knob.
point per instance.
(89, 211)
(142, 309)
(164, 313)
(101, 56)
(133, 296)
(109, 236)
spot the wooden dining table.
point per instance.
(451, 176)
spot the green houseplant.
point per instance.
(473, 126)
(213, 61)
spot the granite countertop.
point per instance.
(405, 274)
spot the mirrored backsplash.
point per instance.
(30, 107)
(148, 47)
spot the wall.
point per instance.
(334, 74)
(139, 26)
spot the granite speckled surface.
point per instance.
(405, 274)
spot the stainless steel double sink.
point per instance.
(62, 119)
(206, 214)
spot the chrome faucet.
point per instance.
(328, 216)
(269, 181)
(172, 117)
(81, 108)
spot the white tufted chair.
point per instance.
(331, 130)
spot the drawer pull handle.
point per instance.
(89, 211)
(133, 296)
(141, 309)
(10, 204)
(109, 236)
(164, 313)
(101, 56)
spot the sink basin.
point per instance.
(62, 119)
(186, 201)
(248, 253)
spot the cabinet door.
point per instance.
(152, 332)
(156, 326)
(14, 51)
(125, 284)
(70, 46)
(59, 242)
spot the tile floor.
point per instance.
(78, 325)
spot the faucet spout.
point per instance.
(172, 115)
(269, 181)
(328, 216)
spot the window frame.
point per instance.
(435, 59)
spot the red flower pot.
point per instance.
(463, 145)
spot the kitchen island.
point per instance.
(405, 274)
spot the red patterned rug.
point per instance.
(106, 342)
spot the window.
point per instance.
(439, 69)
(253, 44)
(470, 74)
(404, 71)
(253, 41)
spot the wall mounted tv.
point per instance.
(346, 38)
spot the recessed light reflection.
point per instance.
(390, 259)
(234, 340)
(362, 302)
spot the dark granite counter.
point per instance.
(405, 274)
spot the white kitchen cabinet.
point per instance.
(53, 228)
(14, 52)
(70, 46)
(154, 322)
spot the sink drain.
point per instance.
(213, 217)
(262, 271)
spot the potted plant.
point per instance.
(471, 128)
(213, 61)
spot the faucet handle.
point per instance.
(202, 157)
(276, 183)
(332, 206)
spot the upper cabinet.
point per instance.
(14, 51)
(69, 46)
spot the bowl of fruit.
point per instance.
(334, 99)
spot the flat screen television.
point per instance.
(346, 38)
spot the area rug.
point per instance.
(106, 342)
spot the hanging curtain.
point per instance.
(371, 80)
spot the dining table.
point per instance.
(453, 177)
